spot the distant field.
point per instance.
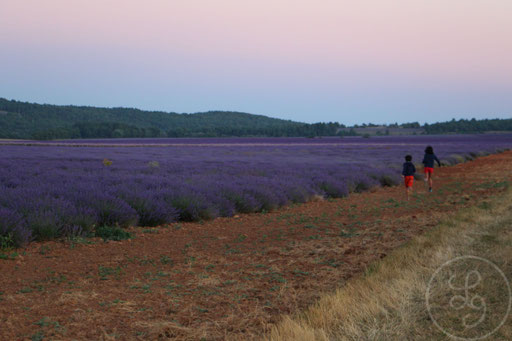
(384, 130)
(60, 188)
(458, 139)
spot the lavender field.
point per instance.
(63, 188)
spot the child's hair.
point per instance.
(429, 150)
(408, 158)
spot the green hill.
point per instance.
(22, 120)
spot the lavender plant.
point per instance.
(65, 188)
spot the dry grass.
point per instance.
(388, 301)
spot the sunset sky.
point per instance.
(326, 60)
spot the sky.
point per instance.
(325, 60)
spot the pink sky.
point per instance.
(282, 58)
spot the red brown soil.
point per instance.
(230, 278)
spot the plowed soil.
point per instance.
(230, 278)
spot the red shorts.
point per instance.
(408, 180)
(429, 170)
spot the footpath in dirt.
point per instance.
(230, 278)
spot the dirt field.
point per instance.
(230, 278)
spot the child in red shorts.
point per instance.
(408, 174)
(428, 163)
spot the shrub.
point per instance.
(361, 186)
(192, 208)
(13, 229)
(448, 162)
(72, 231)
(83, 218)
(116, 212)
(108, 209)
(458, 158)
(298, 194)
(360, 183)
(153, 211)
(244, 202)
(112, 233)
(267, 198)
(388, 180)
(225, 207)
(334, 189)
(45, 225)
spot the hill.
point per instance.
(23, 120)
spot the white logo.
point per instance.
(468, 298)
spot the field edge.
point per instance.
(388, 300)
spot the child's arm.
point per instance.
(438, 162)
(413, 168)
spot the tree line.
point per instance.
(85, 130)
(469, 126)
(22, 120)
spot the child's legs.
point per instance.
(428, 176)
(408, 185)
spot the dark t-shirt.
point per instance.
(408, 169)
(428, 160)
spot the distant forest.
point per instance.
(469, 126)
(22, 120)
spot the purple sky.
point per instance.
(328, 60)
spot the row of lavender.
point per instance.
(487, 139)
(50, 191)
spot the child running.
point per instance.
(428, 163)
(408, 174)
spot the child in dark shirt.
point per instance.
(408, 171)
(428, 163)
